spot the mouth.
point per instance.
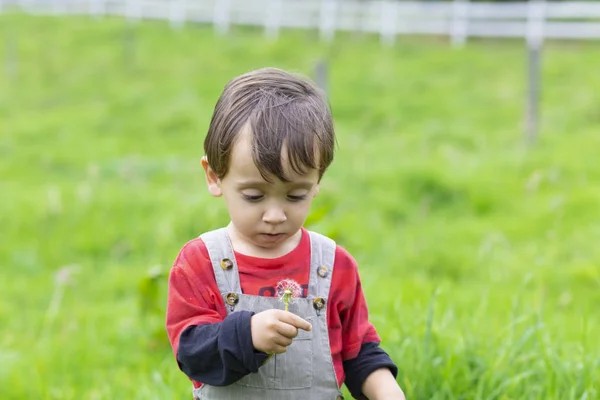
(272, 237)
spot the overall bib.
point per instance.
(305, 371)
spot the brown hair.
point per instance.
(282, 109)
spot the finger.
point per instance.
(295, 320)
(282, 341)
(287, 330)
(278, 349)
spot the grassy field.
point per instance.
(476, 251)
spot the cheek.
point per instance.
(301, 211)
(233, 206)
(241, 212)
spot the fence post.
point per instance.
(321, 76)
(273, 19)
(133, 10)
(97, 8)
(535, 36)
(460, 21)
(389, 18)
(327, 19)
(177, 13)
(58, 7)
(221, 16)
(11, 57)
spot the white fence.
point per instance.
(534, 20)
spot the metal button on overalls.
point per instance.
(232, 299)
(323, 271)
(226, 264)
(319, 303)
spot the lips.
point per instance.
(272, 237)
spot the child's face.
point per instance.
(266, 217)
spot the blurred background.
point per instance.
(466, 183)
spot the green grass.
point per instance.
(477, 252)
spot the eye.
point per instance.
(296, 198)
(253, 198)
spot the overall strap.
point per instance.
(322, 258)
(223, 261)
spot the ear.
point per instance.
(316, 190)
(213, 182)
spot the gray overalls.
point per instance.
(305, 371)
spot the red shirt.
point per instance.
(194, 297)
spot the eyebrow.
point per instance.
(251, 183)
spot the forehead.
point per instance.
(242, 166)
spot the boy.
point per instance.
(270, 140)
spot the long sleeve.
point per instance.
(360, 348)
(210, 347)
(220, 353)
(370, 358)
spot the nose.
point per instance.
(274, 215)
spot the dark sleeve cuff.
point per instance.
(371, 357)
(221, 353)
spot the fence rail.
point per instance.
(458, 19)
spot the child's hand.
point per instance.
(273, 330)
